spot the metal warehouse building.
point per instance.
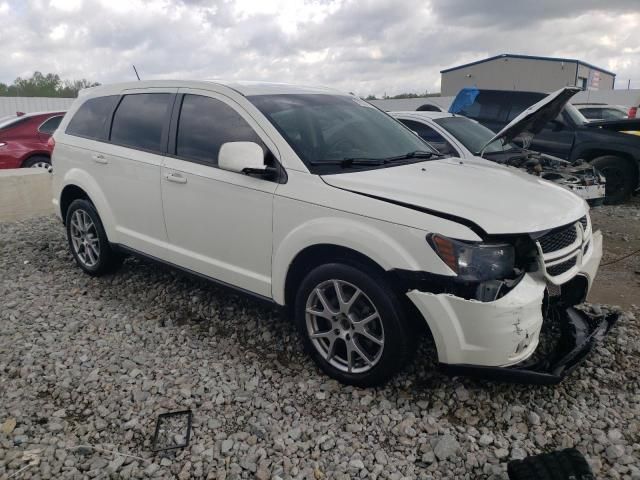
(526, 73)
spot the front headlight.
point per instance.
(474, 261)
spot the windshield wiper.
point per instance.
(350, 161)
(415, 154)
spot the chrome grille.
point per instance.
(559, 239)
(560, 268)
(583, 222)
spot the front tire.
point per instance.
(620, 175)
(352, 324)
(88, 241)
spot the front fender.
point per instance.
(388, 245)
(81, 179)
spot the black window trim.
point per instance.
(455, 147)
(173, 139)
(52, 116)
(165, 124)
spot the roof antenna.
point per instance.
(134, 69)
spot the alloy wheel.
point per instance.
(84, 238)
(344, 326)
(45, 165)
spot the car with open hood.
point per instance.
(463, 137)
(319, 203)
(606, 144)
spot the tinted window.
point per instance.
(520, 101)
(139, 121)
(91, 118)
(13, 122)
(591, 113)
(50, 125)
(430, 135)
(205, 124)
(487, 106)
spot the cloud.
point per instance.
(366, 46)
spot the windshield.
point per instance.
(472, 135)
(327, 129)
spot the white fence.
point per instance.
(11, 105)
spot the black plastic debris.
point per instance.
(173, 430)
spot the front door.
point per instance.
(219, 223)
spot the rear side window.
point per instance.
(520, 101)
(430, 135)
(205, 124)
(50, 125)
(90, 120)
(487, 106)
(140, 119)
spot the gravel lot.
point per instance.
(86, 365)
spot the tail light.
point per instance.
(633, 111)
(51, 143)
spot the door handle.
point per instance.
(175, 177)
(99, 158)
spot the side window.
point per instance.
(487, 106)
(520, 102)
(91, 118)
(139, 121)
(205, 124)
(430, 135)
(591, 113)
(50, 125)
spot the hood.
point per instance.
(499, 200)
(627, 124)
(534, 118)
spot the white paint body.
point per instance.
(246, 231)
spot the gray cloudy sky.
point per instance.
(368, 46)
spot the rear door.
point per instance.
(128, 167)
(219, 223)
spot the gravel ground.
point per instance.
(87, 365)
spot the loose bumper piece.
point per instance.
(580, 332)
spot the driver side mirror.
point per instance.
(245, 157)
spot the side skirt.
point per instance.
(131, 251)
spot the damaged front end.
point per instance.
(579, 177)
(519, 324)
(575, 332)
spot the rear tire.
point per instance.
(38, 161)
(351, 323)
(88, 241)
(620, 175)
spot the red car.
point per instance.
(24, 137)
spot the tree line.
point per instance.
(41, 85)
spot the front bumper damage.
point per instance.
(499, 339)
(580, 332)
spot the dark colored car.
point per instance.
(24, 139)
(569, 136)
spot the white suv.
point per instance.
(317, 201)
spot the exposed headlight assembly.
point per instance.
(474, 262)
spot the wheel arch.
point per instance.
(321, 254)
(32, 154)
(79, 184)
(591, 154)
